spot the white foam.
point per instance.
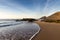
(35, 33)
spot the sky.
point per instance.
(16, 9)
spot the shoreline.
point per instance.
(35, 33)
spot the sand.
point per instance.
(49, 31)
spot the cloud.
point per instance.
(46, 6)
(13, 10)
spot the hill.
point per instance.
(55, 16)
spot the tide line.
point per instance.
(35, 33)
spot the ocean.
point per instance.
(22, 30)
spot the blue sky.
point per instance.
(28, 8)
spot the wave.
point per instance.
(21, 31)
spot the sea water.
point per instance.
(22, 30)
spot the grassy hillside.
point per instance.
(54, 17)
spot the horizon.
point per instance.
(18, 9)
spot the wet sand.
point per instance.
(49, 31)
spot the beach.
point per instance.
(49, 31)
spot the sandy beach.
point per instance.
(49, 31)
